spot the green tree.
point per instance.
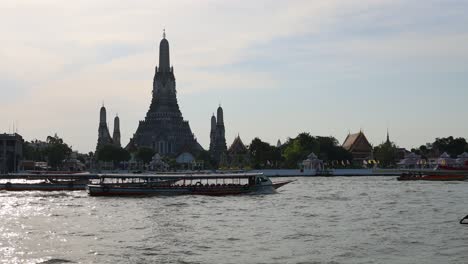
(263, 155)
(453, 146)
(330, 149)
(30, 152)
(204, 155)
(112, 153)
(387, 154)
(297, 149)
(145, 154)
(56, 151)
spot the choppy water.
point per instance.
(313, 220)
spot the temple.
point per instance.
(104, 137)
(218, 145)
(237, 156)
(359, 146)
(164, 130)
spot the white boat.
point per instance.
(196, 184)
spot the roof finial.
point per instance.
(164, 33)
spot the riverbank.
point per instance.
(330, 173)
(269, 173)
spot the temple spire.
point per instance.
(104, 137)
(164, 62)
(388, 136)
(220, 116)
(213, 122)
(116, 134)
(102, 115)
(217, 136)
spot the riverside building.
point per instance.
(359, 147)
(11, 152)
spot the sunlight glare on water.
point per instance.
(313, 220)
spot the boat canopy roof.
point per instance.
(168, 176)
(34, 176)
(181, 176)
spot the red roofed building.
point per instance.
(359, 146)
(237, 155)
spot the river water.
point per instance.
(313, 220)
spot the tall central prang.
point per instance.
(164, 129)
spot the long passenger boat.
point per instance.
(436, 175)
(44, 183)
(201, 184)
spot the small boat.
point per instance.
(47, 183)
(464, 221)
(431, 177)
(203, 184)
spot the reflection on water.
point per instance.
(313, 220)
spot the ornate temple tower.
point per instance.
(217, 136)
(278, 144)
(164, 129)
(116, 135)
(213, 133)
(104, 137)
(388, 138)
(220, 131)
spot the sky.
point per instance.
(278, 68)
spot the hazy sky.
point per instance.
(277, 67)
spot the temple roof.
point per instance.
(131, 146)
(185, 148)
(356, 141)
(237, 146)
(312, 156)
(445, 155)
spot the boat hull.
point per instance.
(41, 187)
(103, 190)
(433, 178)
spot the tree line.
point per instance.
(294, 151)
(262, 155)
(388, 154)
(53, 151)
